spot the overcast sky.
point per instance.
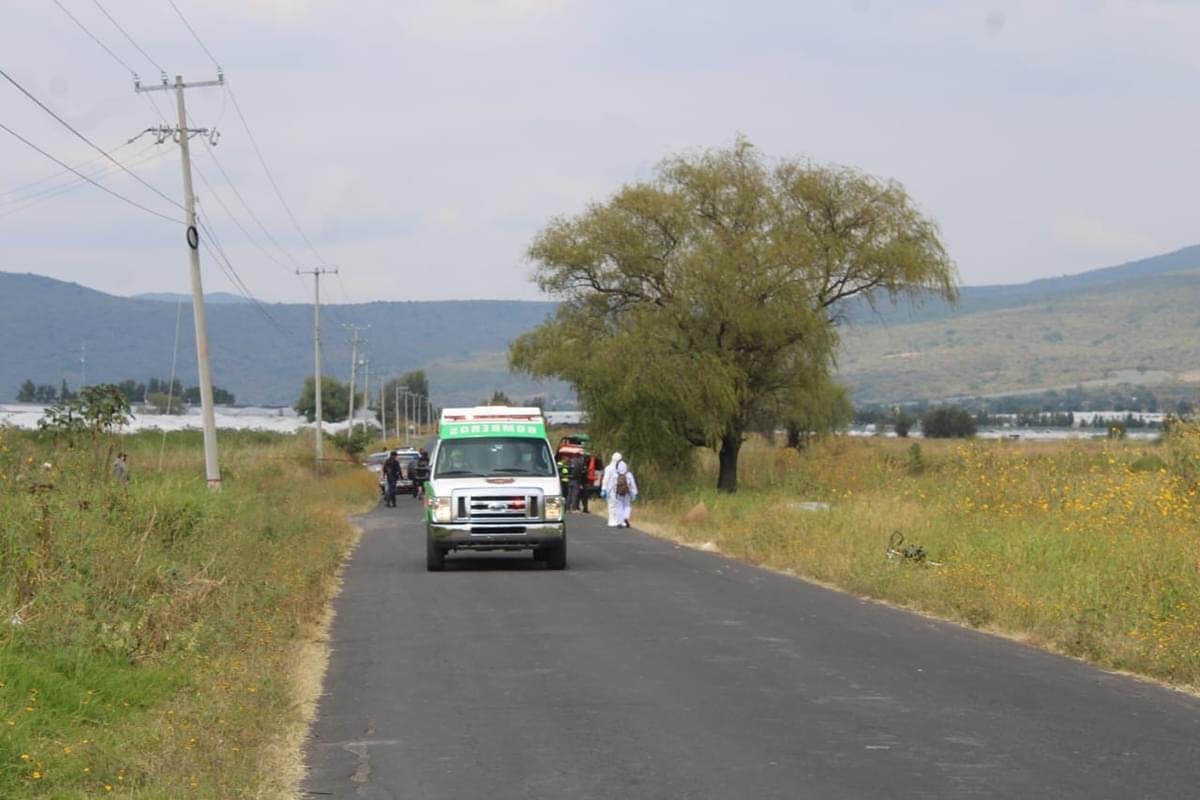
(421, 144)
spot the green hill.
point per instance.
(1142, 326)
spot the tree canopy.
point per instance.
(335, 399)
(705, 301)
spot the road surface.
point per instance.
(647, 670)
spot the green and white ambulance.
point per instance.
(493, 485)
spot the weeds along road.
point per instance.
(650, 671)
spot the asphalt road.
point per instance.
(651, 671)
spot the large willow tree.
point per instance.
(698, 303)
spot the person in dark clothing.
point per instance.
(579, 482)
(422, 472)
(564, 478)
(391, 474)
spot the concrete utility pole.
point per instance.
(82, 365)
(403, 390)
(212, 470)
(354, 342)
(396, 407)
(366, 389)
(317, 273)
(382, 409)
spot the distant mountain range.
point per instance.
(261, 353)
(1140, 318)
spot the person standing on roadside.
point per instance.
(422, 471)
(578, 468)
(120, 468)
(564, 478)
(606, 487)
(584, 465)
(391, 474)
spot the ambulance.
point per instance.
(493, 485)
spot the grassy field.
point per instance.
(149, 632)
(1087, 548)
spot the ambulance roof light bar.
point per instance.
(491, 414)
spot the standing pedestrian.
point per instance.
(422, 471)
(578, 474)
(622, 491)
(586, 473)
(564, 477)
(391, 474)
(120, 468)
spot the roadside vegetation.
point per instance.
(149, 631)
(1090, 548)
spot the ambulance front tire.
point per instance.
(435, 557)
(556, 557)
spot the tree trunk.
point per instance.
(731, 443)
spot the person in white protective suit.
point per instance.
(605, 480)
(621, 495)
(609, 471)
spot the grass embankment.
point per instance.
(148, 632)
(1088, 548)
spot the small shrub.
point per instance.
(948, 422)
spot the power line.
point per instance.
(270, 177)
(250, 211)
(239, 284)
(89, 142)
(100, 186)
(238, 222)
(95, 38)
(195, 35)
(250, 134)
(19, 204)
(59, 174)
(114, 56)
(137, 46)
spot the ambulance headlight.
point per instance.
(441, 509)
(554, 509)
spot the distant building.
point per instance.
(566, 417)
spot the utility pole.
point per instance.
(354, 342)
(382, 409)
(366, 389)
(82, 365)
(403, 390)
(317, 273)
(396, 408)
(212, 470)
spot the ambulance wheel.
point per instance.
(435, 557)
(556, 557)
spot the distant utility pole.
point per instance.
(354, 341)
(82, 365)
(366, 390)
(382, 408)
(212, 470)
(317, 273)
